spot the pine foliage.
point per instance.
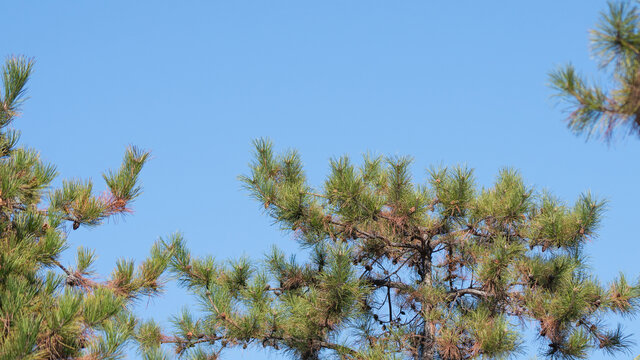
(443, 270)
(48, 310)
(602, 109)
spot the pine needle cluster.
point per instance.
(603, 109)
(443, 270)
(48, 310)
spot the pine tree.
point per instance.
(48, 310)
(604, 109)
(399, 270)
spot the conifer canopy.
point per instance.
(49, 310)
(394, 269)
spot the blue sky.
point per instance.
(195, 82)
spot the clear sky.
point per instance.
(447, 82)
